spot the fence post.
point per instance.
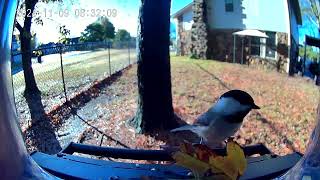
(109, 59)
(129, 51)
(62, 74)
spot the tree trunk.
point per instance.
(25, 39)
(155, 109)
(30, 82)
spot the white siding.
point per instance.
(218, 18)
(187, 20)
(268, 15)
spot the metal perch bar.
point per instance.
(153, 155)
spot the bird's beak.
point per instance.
(255, 107)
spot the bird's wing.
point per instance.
(207, 118)
(202, 120)
(194, 128)
(182, 128)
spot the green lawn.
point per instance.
(92, 65)
(80, 72)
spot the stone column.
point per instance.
(179, 42)
(199, 30)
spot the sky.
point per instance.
(124, 16)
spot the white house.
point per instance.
(278, 19)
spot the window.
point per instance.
(271, 45)
(228, 5)
(255, 46)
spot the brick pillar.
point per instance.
(199, 31)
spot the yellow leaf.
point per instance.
(203, 152)
(234, 164)
(198, 167)
(225, 165)
(206, 164)
(236, 154)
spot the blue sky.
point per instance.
(126, 16)
(178, 4)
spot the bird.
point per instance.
(223, 119)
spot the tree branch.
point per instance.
(18, 26)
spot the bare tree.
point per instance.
(28, 9)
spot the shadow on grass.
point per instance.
(41, 133)
(259, 116)
(101, 132)
(277, 131)
(75, 103)
(214, 77)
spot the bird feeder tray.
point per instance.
(65, 165)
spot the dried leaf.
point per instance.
(236, 154)
(204, 152)
(205, 163)
(224, 164)
(186, 148)
(234, 164)
(198, 167)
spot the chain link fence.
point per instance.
(68, 68)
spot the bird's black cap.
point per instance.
(241, 96)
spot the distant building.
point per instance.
(74, 40)
(15, 46)
(15, 49)
(278, 19)
(48, 48)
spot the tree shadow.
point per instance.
(277, 131)
(259, 117)
(41, 133)
(70, 107)
(99, 131)
(174, 139)
(222, 83)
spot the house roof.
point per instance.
(297, 11)
(183, 10)
(251, 32)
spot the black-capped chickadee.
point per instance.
(223, 119)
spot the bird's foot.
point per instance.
(231, 138)
(201, 140)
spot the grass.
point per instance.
(284, 123)
(80, 72)
(90, 64)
